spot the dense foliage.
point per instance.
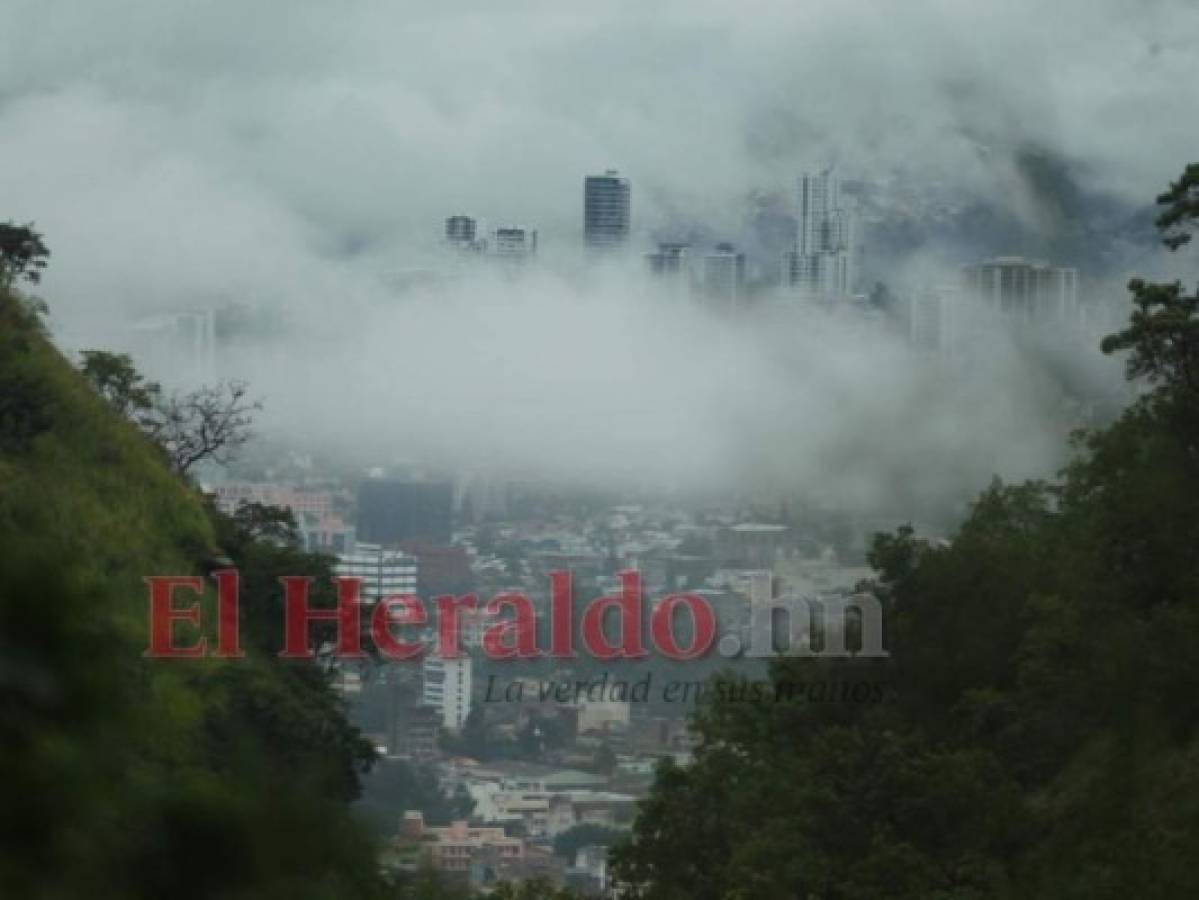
(1038, 737)
(125, 777)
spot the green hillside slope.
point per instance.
(125, 777)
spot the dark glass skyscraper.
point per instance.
(606, 210)
(393, 511)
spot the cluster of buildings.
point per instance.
(508, 242)
(528, 820)
(520, 810)
(570, 766)
(606, 220)
(1007, 292)
(820, 267)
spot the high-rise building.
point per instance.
(606, 210)
(820, 265)
(935, 319)
(671, 265)
(393, 511)
(447, 686)
(1027, 290)
(460, 230)
(670, 259)
(383, 572)
(514, 243)
(724, 277)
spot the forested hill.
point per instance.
(125, 777)
(1039, 737)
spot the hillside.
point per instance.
(126, 777)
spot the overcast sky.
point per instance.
(289, 153)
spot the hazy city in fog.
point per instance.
(788, 309)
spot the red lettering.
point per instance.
(515, 638)
(163, 615)
(397, 609)
(628, 604)
(299, 615)
(702, 619)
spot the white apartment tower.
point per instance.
(447, 685)
(724, 277)
(821, 263)
(383, 572)
(1027, 290)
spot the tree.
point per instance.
(209, 423)
(1182, 208)
(114, 378)
(570, 841)
(426, 883)
(1162, 337)
(1040, 734)
(121, 772)
(271, 524)
(533, 889)
(395, 785)
(23, 254)
(604, 760)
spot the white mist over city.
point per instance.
(292, 178)
(620, 450)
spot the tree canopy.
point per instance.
(1038, 730)
(23, 254)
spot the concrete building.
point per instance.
(454, 847)
(444, 569)
(671, 266)
(460, 232)
(755, 545)
(415, 732)
(321, 529)
(821, 263)
(514, 243)
(570, 809)
(589, 873)
(606, 210)
(602, 716)
(232, 494)
(325, 534)
(1025, 290)
(382, 571)
(935, 319)
(724, 277)
(447, 687)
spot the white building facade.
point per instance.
(383, 572)
(447, 687)
(821, 264)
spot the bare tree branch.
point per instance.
(211, 422)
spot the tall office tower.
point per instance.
(447, 685)
(670, 259)
(821, 263)
(383, 572)
(460, 229)
(934, 319)
(724, 277)
(1027, 290)
(514, 243)
(671, 265)
(606, 210)
(183, 343)
(394, 511)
